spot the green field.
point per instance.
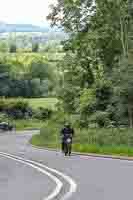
(28, 124)
(42, 102)
(38, 102)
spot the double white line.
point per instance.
(47, 171)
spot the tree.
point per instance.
(13, 48)
(125, 69)
(97, 43)
(101, 26)
(124, 87)
(3, 46)
(39, 69)
(25, 75)
(4, 78)
(35, 47)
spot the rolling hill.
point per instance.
(5, 27)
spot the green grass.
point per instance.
(28, 124)
(104, 150)
(38, 102)
(42, 102)
(121, 150)
(99, 141)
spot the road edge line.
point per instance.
(115, 157)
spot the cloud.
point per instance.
(25, 11)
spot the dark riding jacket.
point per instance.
(67, 132)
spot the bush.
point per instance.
(16, 109)
(61, 118)
(3, 105)
(42, 113)
(3, 117)
(100, 118)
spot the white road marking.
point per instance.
(55, 179)
(71, 182)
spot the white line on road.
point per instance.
(71, 182)
(55, 179)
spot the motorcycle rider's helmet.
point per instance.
(67, 125)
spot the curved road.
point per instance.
(23, 178)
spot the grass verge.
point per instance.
(121, 150)
(99, 141)
(28, 124)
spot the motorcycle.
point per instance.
(67, 145)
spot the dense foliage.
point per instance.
(96, 72)
(26, 75)
(20, 108)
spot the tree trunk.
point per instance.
(130, 115)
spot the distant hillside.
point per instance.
(4, 27)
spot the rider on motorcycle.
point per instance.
(67, 131)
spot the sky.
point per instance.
(25, 11)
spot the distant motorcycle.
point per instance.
(67, 145)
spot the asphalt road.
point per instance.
(82, 177)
